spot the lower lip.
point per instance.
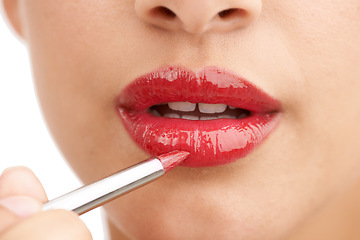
(210, 143)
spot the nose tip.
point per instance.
(198, 16)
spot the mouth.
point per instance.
(215, 115)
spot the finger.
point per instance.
(14, 209)
(7, 219)
(22, 206)
(52, 224)
(21, 181)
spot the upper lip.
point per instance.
(230, 89)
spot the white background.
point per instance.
(24, 139)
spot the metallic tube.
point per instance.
(93, 195)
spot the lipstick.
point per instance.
(96, 194)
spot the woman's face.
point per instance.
(304, 54)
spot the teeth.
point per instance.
(189, 117)
(232, 108)
(155, 113)
(182, 106)
(214, 111)
(171, 115)
(243, 115)
(212, 108)
(208, 118)
(203, 118)
(226, 116)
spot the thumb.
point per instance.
(21, 181)
(21, 195)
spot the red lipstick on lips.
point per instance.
(212, 134)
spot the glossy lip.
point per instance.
(210, 143)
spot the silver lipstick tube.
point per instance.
(96, 194)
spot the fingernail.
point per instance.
(21, 206)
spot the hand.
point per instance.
(21, 217)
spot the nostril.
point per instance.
(163, 12)
(231, 13)
(198, 16)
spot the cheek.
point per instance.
(323, 39)
(77, 83)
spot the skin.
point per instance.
(23, 220)
(303, 53)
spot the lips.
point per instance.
(215, 115)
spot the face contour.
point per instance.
(303, 54)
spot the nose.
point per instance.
(198, 16)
